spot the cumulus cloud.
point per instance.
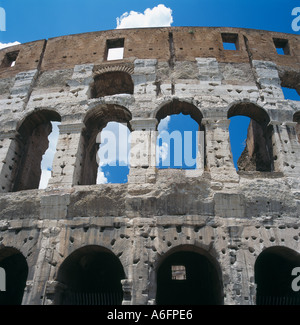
(163, 149)
(162, 152)
(101, 179)
(163, 124)
(4, 45)
(45, 176)
(159, 16)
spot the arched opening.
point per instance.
(296, 118)
(273, 277)
(112, 83)
(238, 131)
(188, 277)
(16, 272)
(180, 141)
(90, 276)
(113, 154)
(32, 143)
(290, 84)
(258, 153)
(95, 121)
(47, 159)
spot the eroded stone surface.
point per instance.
(230, 217)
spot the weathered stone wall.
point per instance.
(231, 217)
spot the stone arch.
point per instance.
(199, 277)
(95, 120)
(16, 271)
(108, 83)
(177, 106)
(32, 142)
(186, 108)
(258, 153)
(90, 275)
(296, 118)
(273, 276)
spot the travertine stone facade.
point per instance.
(226, 217)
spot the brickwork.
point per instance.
(229, 219)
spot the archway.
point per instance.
(91, 276)
(296, 118)
(258, 152)
(188, 277)
(179, 142)
(16, 271)
(273, 276)
(31, 144)
(95, 121)
(112, 83)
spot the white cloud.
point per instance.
(101, 179)
(159, 16)
(115, 54)
(163, 124)
(48, 156)
(4, 45)
(163, 151)
(45, 176)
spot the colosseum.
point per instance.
(213, 235)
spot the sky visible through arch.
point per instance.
(31, 20)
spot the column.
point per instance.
(66, 170)
(218, 151)
(143, 151)
(9, 148)
(285, 148)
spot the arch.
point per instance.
(188, 275)
(176, 106)
(16, 272)
(186, 148)
(90, 275)
(251, 110)
(31, 144)
(258, 152)
(95, 120)
(112, 83)
(296, 118)
(273, 276)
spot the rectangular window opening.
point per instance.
(282, 46)
(178, 272)
(230, 41)
(10, 59)
(115, 49)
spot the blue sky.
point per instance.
(30, 20)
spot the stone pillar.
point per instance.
(143, 151)
(67, 160)
(127, 291)
(218, 151)
(9, 158)
(285, 148)
(268, 80)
